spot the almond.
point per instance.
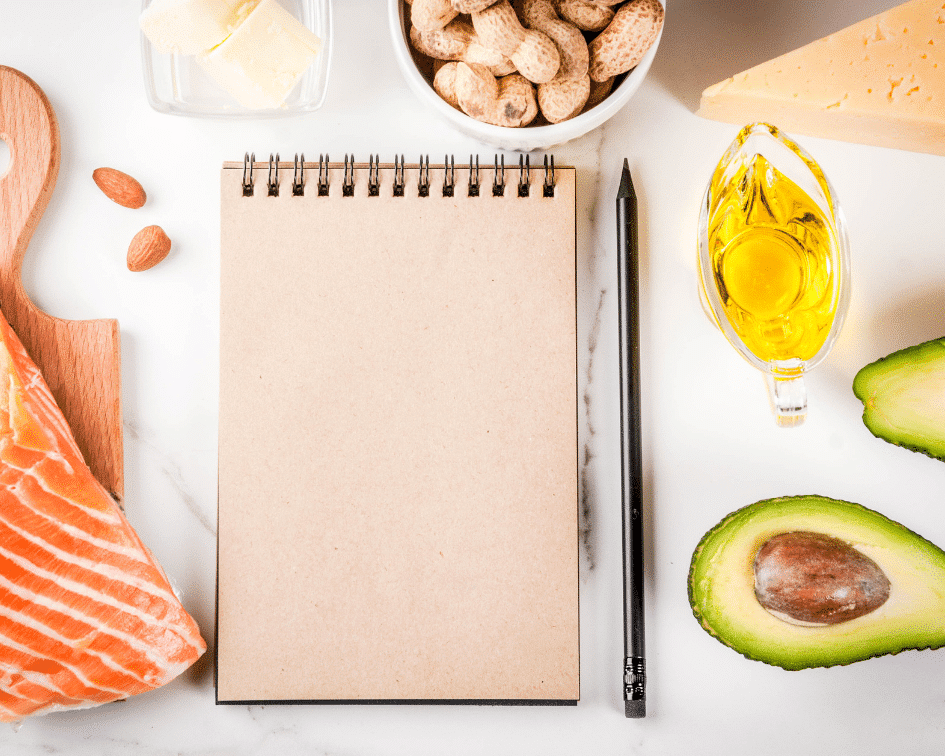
(120, 187)
(149, 246)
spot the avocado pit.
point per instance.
(815, 579)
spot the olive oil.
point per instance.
(774, 261)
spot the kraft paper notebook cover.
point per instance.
(398, 506)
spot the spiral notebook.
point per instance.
(398, 493)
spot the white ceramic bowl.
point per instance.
(526, 138)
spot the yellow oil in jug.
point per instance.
(774, 256)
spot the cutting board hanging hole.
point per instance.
(4, 158)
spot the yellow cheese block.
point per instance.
(880, 81)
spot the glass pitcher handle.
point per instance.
(788, 399)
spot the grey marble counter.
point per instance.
(710, 443)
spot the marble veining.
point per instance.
(699, 464)
(170, 470)
(588, 452)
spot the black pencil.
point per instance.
(631, 456)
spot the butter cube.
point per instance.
(188, 27)
(264, 57)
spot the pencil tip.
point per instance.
(626, 183)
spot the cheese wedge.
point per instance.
(880, 82)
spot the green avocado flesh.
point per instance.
(904, 397)
(722, 590)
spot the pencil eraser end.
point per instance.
(635, 709)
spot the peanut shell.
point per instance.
(540, 15)
(533, 53)
(509, 101)
(427, 15)
(585, 14)
(626, 40)
(561, 99)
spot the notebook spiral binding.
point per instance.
(399, 186)
(273, 181)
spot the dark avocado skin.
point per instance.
(780, 644)
(929, 352)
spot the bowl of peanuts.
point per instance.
(525, 74)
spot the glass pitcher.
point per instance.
(774, 261)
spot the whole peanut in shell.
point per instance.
(509, 101)
(533, 53)
(427, 15)
(444, 83)
(572, 47)
(626, 40)
(587, 15)
(561, 99)
(458, 41)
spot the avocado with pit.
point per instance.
(903, 397)
(808, 581)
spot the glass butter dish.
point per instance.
(236, 58)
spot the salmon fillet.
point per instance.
(87, 615)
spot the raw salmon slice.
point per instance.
(87, 615)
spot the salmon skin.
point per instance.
(87, 615)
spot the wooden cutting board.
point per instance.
(80, 359)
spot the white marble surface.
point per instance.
(711, 445)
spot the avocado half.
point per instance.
(903, 397)
(722, 591)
